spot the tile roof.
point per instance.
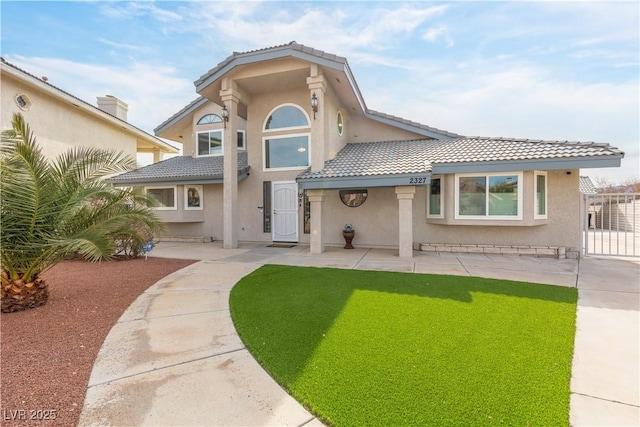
(415, 156)
(182, 168)
(586, 185)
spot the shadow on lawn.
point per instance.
(296, 292)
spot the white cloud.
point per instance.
(122, 10)
(439, 32)
(126, 46)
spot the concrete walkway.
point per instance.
(174, 358)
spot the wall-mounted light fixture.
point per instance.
(314, 104)
(225, 115)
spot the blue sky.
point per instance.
(542, 70)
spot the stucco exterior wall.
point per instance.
(365, 130)
(375, 221)
(58, 126)
(195, 223)
(560, 229)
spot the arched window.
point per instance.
(286, 116)
(286, 150)
(209, 119)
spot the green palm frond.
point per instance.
(52, 210)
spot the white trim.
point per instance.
(292, 168)
(517, 217)
(441, 214)
(197, 150)
(186, 198)
(288, 104)
(175, 197)
(535, 195)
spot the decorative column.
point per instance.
(316, 199)
(230, 180)
(157, 155)
(317, 86)
(405, 220)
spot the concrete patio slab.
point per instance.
(589, 411)
(224, 390)
(154, 304)
(306, 261)
(385, 265)
(610, 274)
(540, 276)
(451, 269)
(605, 374)
(140, 346)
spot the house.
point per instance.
(61, 121)
(280, 146)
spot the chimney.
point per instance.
(112, 105)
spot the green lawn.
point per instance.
(378, 348)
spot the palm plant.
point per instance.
(53, 210)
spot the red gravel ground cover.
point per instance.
(47, 353)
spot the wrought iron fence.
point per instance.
(611, 224)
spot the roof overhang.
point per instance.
(180, 120)
(292, 50)
(187, 180)
(529, 164)
(365, 181)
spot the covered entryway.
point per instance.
(285, 211)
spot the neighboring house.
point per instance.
(60, 120)
(281, 147)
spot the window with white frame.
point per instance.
(165, 197)
(489, 196)
(193, 200)
(540, 184)
(210, 143)
(286, 151)
(434, 198)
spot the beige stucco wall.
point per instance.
(560, 229)
(376, 221)
(195, 223)
(58, 126)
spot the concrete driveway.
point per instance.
(174, 358)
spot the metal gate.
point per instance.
(611, 224)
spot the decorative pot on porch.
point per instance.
(348, 234)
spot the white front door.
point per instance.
(285, 211)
